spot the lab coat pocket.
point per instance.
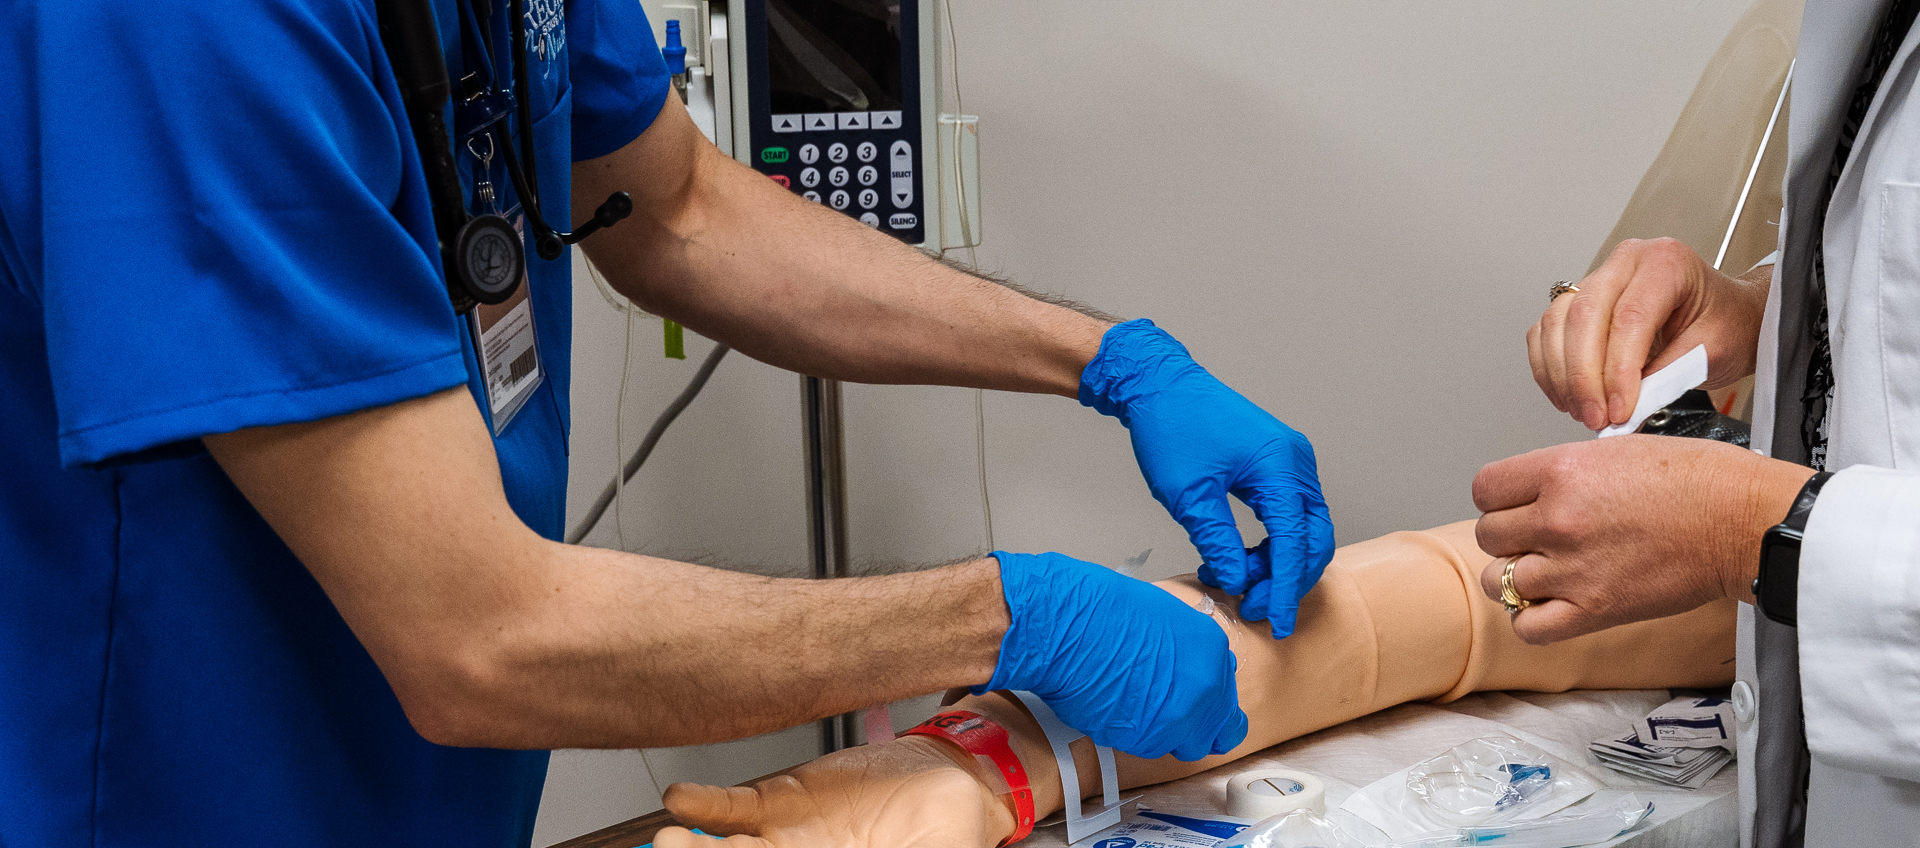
(1898, 302)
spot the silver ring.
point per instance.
(1559, 288)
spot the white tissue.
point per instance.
(1663, 387)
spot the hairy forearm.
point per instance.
(624, 651)
(493, 636)
(729, 253)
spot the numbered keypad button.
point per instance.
(869, 199)
(838, 176)
(811, 195)
(809, 153)
(867, 151)
(837, 152)
(869, 175)
(839, 199)
(870, 219)
(810, 177)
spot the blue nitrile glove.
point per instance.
(1118, 659)
(1198, 441)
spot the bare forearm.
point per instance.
(732, 255)
(492, 636)
(624, 651)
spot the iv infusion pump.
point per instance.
(837, 101)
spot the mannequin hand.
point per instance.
(1198, 441)
(1648, 304)
(1627, 529)
(1118, 659)
(907, 794)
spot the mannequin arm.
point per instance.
(1396, 619)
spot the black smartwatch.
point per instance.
(1776, 592)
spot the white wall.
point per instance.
(1349, 209)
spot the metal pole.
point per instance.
(827, 514)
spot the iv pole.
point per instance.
(827, 513)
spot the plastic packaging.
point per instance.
(1306, 829)
(1495, 779)
(1298, 829)
(1562, 831)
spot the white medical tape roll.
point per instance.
(1264, 793)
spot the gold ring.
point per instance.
(1509, 596)
(1559, 288)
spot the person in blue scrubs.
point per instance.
(279, 564)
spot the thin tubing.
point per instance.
(641, 453)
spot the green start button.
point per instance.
(773, 155)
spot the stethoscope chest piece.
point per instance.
(488, 259)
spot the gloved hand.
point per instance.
(1117, 658)
(1198, 441)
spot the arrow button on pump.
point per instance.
(900, 167)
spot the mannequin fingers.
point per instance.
(726, 810)
(678, 837)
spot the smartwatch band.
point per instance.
(1776, 588)
(985, 739)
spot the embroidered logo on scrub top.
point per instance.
(546, 32)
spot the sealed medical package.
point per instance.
(1490, 780)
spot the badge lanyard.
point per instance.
(481, 250)
(482, 254)
(505, 341)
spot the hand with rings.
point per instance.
(1650, 302)
(1598, 533)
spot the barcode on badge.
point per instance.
(522, 365)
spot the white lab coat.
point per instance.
(1859, 608)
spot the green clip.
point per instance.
(676, 340)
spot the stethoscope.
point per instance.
(481, 252)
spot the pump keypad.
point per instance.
(864, 164)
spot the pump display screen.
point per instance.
(833, 55)
(834, 105)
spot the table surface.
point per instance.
(1352, 755)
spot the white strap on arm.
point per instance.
(1081, 823)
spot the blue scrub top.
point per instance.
(212, 216)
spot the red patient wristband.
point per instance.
(978, 735)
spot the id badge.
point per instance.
(509, 352)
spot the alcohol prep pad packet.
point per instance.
(1155, 829)
(1691, 722)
